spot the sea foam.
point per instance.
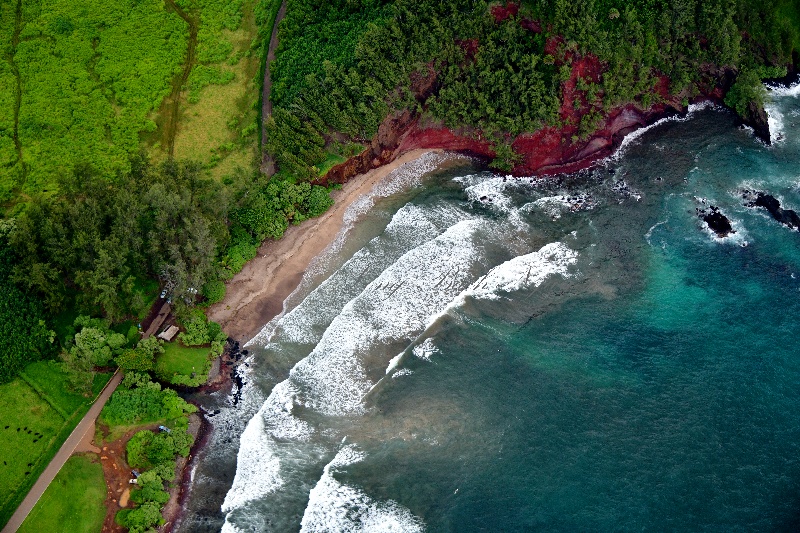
(524, 272)
(406, 176)
(635, 135)
(257, 468)
(334, 506)
(332, 379)
(394, 307)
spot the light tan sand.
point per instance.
(256, 294)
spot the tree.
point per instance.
(140, 519)
(151, 489)
(141, 358)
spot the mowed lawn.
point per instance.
(179, 359)
(74, 500)
(36, 415)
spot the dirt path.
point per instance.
(18, 89)
(61, 456)
(256, 294)
(170, 108)
(267, 165)
(117, 474)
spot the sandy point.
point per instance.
(256, 294)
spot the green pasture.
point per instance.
(36, 415)
(84, 82)
(74, 500)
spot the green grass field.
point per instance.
(178, 359)
(36, 415)
(74, 500)
(113, 65)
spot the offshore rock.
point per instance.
(717, 222)
(756, 118)
(787, 217)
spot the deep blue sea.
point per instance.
(576, 353)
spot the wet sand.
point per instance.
(256, 294)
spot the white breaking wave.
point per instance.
(523, 272)
(394, 307)
(636, 134)
(408, 227)
(338, 508)
(407, 175)
(425, 350)
(554, 206)
(551, 205)
(774, 115)
(520, 273)
(402, 178)
(775, 122)
(257, 468)
(784, 90)
(332, 380)
(488, 190)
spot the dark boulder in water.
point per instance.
(756, 118)
(717, 222)
(786, 217)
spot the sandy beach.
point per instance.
(256, 294)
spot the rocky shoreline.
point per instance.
(545, 152)
(223, 377)
(550, 150)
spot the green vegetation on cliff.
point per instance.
(499, 68)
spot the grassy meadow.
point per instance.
(36, 416)
(73, 502)
(89, 83)
(179, 360)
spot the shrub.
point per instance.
(140, 519)
(141, 358)
(139, 400)
(151, 489)
(147, 449)
(199, 331)
(214, 291)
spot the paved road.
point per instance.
(61, 457)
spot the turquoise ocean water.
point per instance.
(482, 353)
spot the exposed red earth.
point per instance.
(550, 150)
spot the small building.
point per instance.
(169, 333)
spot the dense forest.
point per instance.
(97, 222)
(500, 76)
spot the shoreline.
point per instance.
(256, 294)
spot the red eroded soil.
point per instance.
(550, 150)
(117, 474)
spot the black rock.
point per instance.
(756, 118)
(786, 217)
(717, 222)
